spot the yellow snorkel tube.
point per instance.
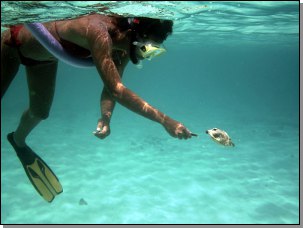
(148, 50)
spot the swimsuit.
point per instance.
(68, 47)
(15, 42)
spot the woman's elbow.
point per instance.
(116, 91)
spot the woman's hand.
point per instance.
(103, 129)
(176, 129)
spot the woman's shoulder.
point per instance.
(92, 19)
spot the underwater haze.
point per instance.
(230, 65)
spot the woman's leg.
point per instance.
(10, 63)
(41, 84)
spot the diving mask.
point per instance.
(149, 50)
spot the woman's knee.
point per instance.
(39, 113)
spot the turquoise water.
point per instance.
(240, 76)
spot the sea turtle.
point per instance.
(220, 137)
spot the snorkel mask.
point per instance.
(145, 38)
(149, 50)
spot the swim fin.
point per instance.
(42, 177)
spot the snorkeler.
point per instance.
(110, 41)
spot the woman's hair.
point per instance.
(156, 29)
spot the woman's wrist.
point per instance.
(163, 119)
(106, 117)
